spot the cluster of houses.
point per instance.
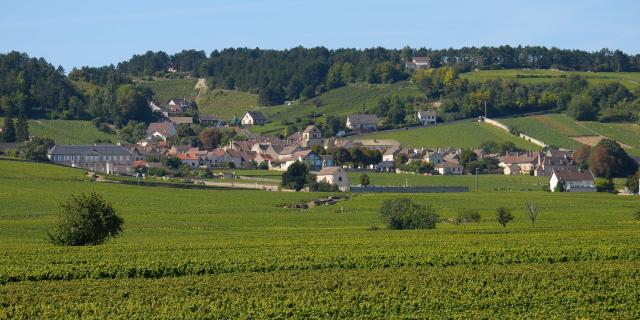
(278, 154)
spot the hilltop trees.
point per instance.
(607, 159)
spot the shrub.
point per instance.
(604, 185)
(467, 216)
(86, 220)
(364, 180)
(504, 216)
(402, 214)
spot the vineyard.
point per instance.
(239, 254)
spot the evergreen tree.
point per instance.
(9, 130)
(22, 129)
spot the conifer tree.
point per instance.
(9, 130)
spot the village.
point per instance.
(328, 158)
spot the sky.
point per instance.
(95, 33)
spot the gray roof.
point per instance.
(574, 175)
(363, 119)
(256, 115)
(98, 149)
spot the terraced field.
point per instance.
(237, 254)
(630, 79)
(465, 134)
(68, 131)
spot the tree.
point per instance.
(604, 185)
(364, 180)
(271, 96)
(133, 131)
(171, 162)
(297, 176)
(468, 215)
(581, 108)
(466, 157)
(22, 129)
(632, 182)
(532, 210)
(503, 216)
(36, 149)
(86, 219)
(210, 138)
(608, 159)
(9, 130)
(559, 187)
(400, 214)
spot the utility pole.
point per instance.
(477, 188)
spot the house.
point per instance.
(154, 107)
(447, 168)
(427, 117)
(209, 119)
(378, 144)
(554, 160)
(178, 149)
(390, 154)
(525, 163)
(161, 131)
(573, 180)
(433, 157)
(335, 176)
(176, 105)
(252, 118)
(190, 159)
(418, 63)
(310, 159)
(181, 120)
(362, 122)
(311, 136)
(104, 158)
(218, 158)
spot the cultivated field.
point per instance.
(227, 103)
(237, 254)
(464, 134)
(174, 88)
(68, 131)
(630, 79)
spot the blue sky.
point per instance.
(77, 33)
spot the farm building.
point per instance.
(447, 168)
(335, 176)
(104, 158)
(253, 118)
(573, 180)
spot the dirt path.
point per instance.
(201, 86)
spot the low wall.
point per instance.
(409, 189)
(506, 128)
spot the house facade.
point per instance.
(177, 105)
(428, 117)
(335, 176)
(573, 180)
(447, 168)
(161, 131)
(362, 122)
(252, 118)
(103, 158)
(418, 63)
(311, 136)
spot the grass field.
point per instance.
(175, 88)
(630, 79)
(227, 103)
(68, 131)
(236, 254)
(466, 134)
(560, 130)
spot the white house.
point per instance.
(418, 63)
(427, 117)
(574, 180)
(335, 176)
(253, 118)
(447, 168)
(362, 122)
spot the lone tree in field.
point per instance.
(402, 214)
(532, 210)
(504, 216)
(297, 176)
(86, 219)
(364, 180)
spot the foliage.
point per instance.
(297, 176)
(608, 159)
(9, 130)
(401, 214)
(133, 131)
(632, 182)
(503, 216)
(36, 148)
(86, 219)
(22, 129)
(322, 186)
(532, 210)
(604, 185)
(467, 216)
(559, 186)
(364, 180)
(171, 162)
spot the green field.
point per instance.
(487, 182)
(561, 130)
(464, 134)
(630, 79)
(174, 88)
(68, 131)
(228, 103)
(237, 254)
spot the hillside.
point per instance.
(227, 103)
(630, 79)
(68, 131)
(562, 131)
(166, 89)
(463, 134)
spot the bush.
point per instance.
(604, 185)
(86, 220)
(402, 214)
(467, 216)
(323, 186)
(158, 172)
(504, 216)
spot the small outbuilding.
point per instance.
(335, 176)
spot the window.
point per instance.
(340, 179)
